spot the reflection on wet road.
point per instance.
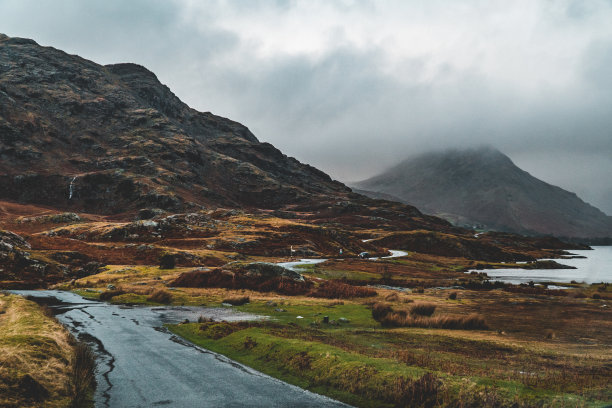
(141, 364)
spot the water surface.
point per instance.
(595, 268)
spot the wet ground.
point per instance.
(141, 364)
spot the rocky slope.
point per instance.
(483, 187)
(104, 139)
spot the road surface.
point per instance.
(141, 364)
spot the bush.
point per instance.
(160, 296)
(237, 301)
(337, 290)
(167, 261)
(596, 296)
(422, 309)
(452, 296)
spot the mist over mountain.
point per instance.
(483, 187)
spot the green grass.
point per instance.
(310, 365)
(329, 359)
(313, 311)
(358, 378)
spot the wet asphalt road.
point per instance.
(140, 364)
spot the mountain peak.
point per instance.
(127, 69)
(16, 40)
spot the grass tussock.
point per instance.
(422, 392)
(83, 376)
(422, 309)
(392, 297)
(469, 322)
(339, 290)
(237, 301)
(380, 310)
(160, 296)
(388, 317)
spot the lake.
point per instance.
(596, 267)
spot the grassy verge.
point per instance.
(365, 365)
(38, 364)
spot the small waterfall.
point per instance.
(71, 188)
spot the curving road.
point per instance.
(140, 364)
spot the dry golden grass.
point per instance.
(33, 344)
(160, 296)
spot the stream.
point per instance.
(295, 265)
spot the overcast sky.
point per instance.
(353, 87)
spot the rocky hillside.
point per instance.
(483, 187)
(75, 134)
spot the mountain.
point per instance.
(79, 136)
(483, 187)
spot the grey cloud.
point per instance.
(342, 111)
